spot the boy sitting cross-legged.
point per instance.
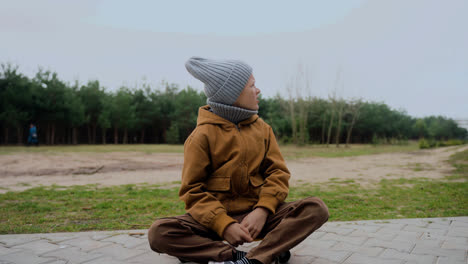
(234, 180)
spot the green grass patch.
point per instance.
(288, 151)
(145, 148)
(416, 166)
(460, 162)
(295, 152)
(401, 198)
(82, 208)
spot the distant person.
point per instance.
(234, 180)
(32, 138)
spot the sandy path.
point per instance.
(22, 171)
(370, 169)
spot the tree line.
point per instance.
(88, 113)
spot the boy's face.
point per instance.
(248, 98)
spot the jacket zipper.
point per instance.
(243, 164)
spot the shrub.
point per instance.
(432, 143)
(377, 141)
(172, 136)
(453, 142)
(423, 144)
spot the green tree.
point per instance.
(50, 99)
(184, 116)
(144, 110)
(104, 118)
(15, 101)
(420, 128)
(273, 110)
(75, 111)
(91, 95)
(163, 102)
(123, 113)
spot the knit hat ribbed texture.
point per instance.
(224, 79)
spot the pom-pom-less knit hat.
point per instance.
(224, 79)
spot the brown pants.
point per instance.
(185, 238)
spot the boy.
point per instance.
(234, 180)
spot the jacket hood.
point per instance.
(205, 116)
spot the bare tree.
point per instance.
(116, 135)
(332, 117)
(324, 119)
(340, 107)
(303, 87)
(333, 109)
(292, 111)
(354, 107)
(300, 104)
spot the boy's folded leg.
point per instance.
(281, 231)
(186, 239)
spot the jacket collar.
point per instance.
(205, 116)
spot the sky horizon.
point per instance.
(410, 55)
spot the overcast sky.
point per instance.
(409, 54)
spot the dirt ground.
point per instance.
(22, 171)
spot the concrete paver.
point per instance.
(73, 255)
(399, 245)
(5, 250)
(358, 258)
(355, 240)
(402, 241)
(25, 257)
(455, 243)
(12, 240)
(38, 247)
(86, 243)
(125, 239)
(451, 260)
(369, 251)
(119, 252)
(393, 254)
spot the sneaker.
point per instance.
(243, 260)
(283, 257)
(238, 255)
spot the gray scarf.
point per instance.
(232, 113)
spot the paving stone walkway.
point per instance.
(428, 240)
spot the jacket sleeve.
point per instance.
(276, 187)
(200, 204)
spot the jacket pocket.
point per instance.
(256, 180)
(218, 183)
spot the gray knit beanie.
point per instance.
(224, 79)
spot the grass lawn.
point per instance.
(288, 151)
(145, 148)
(81, 208)
(292, 151)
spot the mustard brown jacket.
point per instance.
(231, 169)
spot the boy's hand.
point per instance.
(255, 221)
(236, 234)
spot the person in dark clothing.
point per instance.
(32, 138)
